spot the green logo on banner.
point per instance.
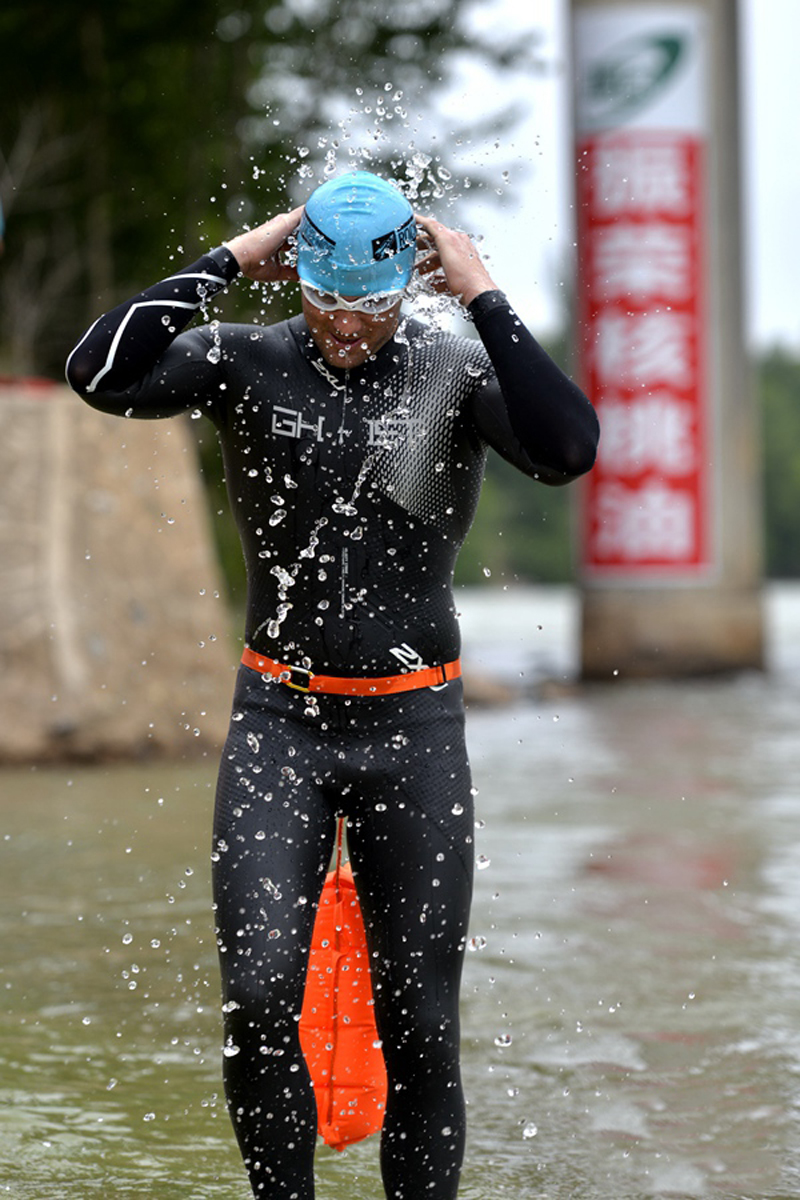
(632, 74)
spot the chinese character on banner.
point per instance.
(641, 213)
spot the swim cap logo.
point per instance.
(632, 75)
(396, 240)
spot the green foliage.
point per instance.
(522, 531)
(131, 134)
(779, 387)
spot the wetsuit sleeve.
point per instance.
(530, 411)
(136, 360)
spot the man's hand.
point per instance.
(453, 264)
(258, 251)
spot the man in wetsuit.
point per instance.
(354, 442)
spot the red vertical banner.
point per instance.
(647, 508)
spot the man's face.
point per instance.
(347, 339)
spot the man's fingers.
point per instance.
(278, 230)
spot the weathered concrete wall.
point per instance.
(114, 636)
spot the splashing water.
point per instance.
(376, 124)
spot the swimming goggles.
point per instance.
(377, 302)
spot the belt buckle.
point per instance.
(296, 687)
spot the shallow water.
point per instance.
(640, 909)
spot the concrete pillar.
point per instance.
(692, 603)
(114, 635)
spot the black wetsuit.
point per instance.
(352, 491)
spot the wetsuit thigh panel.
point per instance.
(274, 824)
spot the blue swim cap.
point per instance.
(357, 236)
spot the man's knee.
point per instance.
(260, 998)
(422, 1043)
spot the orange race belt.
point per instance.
(303, 680)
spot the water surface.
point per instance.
(631, 1003)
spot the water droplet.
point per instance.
(530, 1130)
(503, 1040)
(340, 505)
(483, 862)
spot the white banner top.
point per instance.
(640, 67)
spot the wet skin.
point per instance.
(347, 339)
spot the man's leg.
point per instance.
(273, 836)
(411, 837)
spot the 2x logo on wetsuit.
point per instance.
(412, 659)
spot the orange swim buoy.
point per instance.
(337, 1023)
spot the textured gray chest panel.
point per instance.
(429, 458)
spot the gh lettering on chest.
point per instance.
(288, 422)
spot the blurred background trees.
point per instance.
(778, 381)
(133, 135)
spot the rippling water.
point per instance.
(631, 1007)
